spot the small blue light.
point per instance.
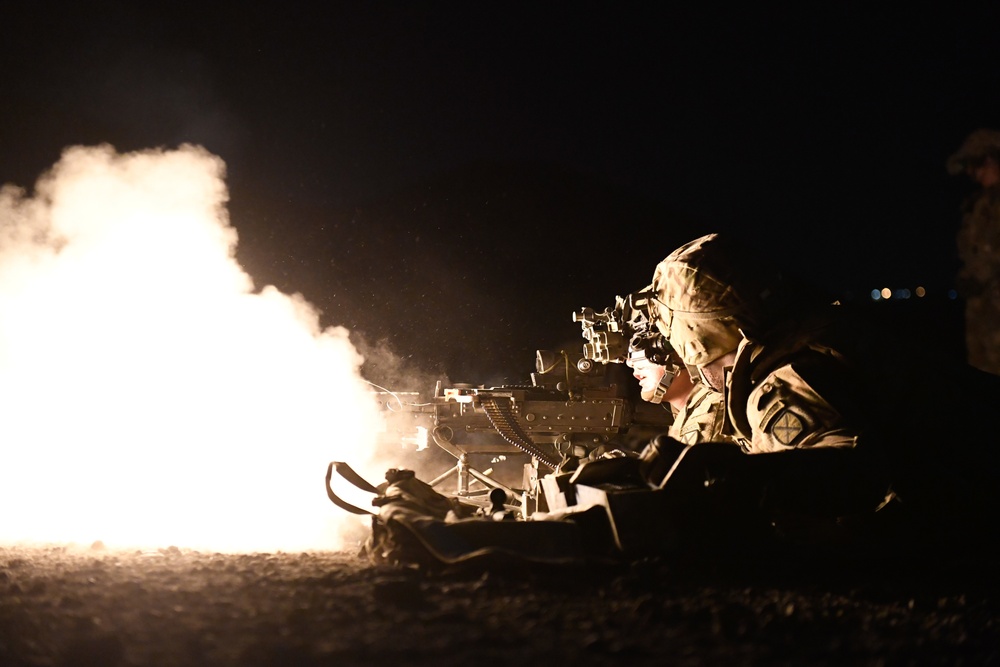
(876, 294)
(952, 294)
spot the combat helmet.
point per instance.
(979, 145)
(706, 292)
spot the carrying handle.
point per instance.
(354, 478)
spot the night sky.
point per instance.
(455, 179)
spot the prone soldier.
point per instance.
(824, 404)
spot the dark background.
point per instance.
(455, 179)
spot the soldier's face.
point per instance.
(647, 373)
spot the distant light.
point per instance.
(952, 294)
(886, 293)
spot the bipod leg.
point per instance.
(443, 476)
(463, 474)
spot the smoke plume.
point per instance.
(152, 396)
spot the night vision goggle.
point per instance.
(618, 332)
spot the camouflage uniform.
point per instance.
(979, 251)
(701, 419)
(828, 405)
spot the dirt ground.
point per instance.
(61, 606)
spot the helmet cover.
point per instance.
(698, 291)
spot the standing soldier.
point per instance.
(979, 247)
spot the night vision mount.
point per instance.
(623, 329)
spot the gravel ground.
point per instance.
(64, 606)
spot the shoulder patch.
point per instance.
(786, 413)
(786, 427)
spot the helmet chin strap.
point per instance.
(661, 388)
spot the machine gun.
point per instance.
(572, 409)
(577, 406)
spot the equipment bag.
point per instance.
(412, 524)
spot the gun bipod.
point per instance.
(467, 475)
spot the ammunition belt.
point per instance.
(500, 412)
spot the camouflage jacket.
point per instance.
(899, 425)
(834, 378)
(781, 407)
(701, 419)
(797, 390)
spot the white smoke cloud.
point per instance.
(151, 396)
